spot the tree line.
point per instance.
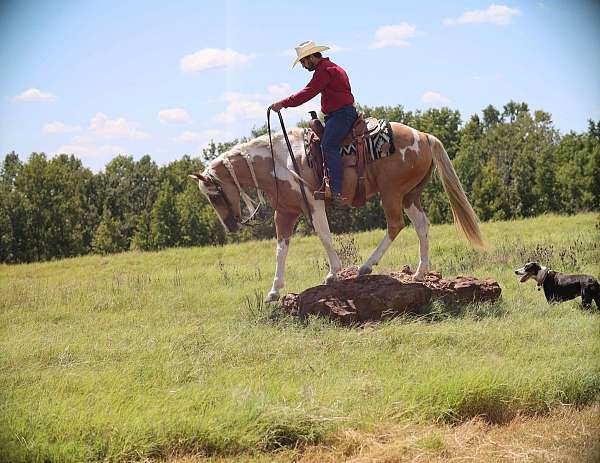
(513, 163)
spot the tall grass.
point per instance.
(142, 355)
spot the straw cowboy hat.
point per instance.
(308, 48)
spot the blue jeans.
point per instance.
(337, 126)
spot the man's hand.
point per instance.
(276, 106)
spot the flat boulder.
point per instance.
(357, 299)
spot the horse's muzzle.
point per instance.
(232, 223)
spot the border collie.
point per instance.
(560, 287)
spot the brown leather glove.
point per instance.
(277, 106)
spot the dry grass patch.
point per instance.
(564, 435)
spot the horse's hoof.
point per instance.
(363, 270)
(272, 297)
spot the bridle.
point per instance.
(218, 184)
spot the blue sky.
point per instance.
(101, 78)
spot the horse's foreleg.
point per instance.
(419, 220)
(284, 226)
(321, 225)
(395, 223)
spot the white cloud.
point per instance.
(87, 149)
(59, 127)
(253, 106)
(92, 143)
(196, 137)
(213, 58)
(103, 127)
(174, 116)
(34, 94)
(336, 49)
(240, 107)
(434, 98)
(279, 90)
(500, 15)
(394, 35)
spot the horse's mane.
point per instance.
(258, 142)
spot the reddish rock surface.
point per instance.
(354, 299)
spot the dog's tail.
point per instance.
(464, 215)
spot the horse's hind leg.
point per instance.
(419, 220)
(392, 207)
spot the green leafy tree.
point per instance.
(391, 113)
(490, 195)
(522, 187)
(194, 230)
(164, 224)
(491, 117)
(213, 149)
(116, 184)
(575, 183)
(60, 215)
(512, 110)
(109, 237)
(445, 124)
(545, 183)
(176, 173)
(6, 232)
(10, 168)
(142, 238)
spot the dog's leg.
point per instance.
(586, 298)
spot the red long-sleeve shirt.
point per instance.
(331, 81)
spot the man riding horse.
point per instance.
(398, 176)
(337, 103)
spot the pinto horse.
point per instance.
(398, 178)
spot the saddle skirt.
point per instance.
(369, 139)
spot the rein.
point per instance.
(294, 163)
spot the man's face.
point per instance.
(309, 63)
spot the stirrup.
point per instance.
(324, 192)
(321, 195)
(328, 195)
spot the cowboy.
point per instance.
(337, 103)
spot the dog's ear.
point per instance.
(532, 267)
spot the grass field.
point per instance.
(148, 355)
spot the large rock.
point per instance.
(354, 299)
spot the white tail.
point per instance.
(464, 215)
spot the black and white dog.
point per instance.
(560, 287)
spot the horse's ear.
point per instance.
(197, 177)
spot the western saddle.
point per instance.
(356, 135)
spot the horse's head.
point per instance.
(223, 197)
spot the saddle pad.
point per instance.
(379, 142)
